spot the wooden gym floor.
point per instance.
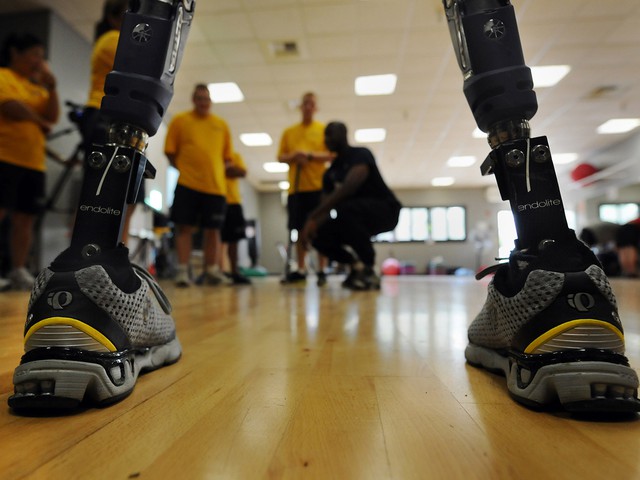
(297, 382)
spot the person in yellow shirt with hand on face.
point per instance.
(29, 107)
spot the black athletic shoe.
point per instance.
(295, 277)
(550, 324)
(362, 279)
(371, 278)
(90, 330)
(355, 280)
(322, 279)
(239, 279)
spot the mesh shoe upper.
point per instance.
(127, 320)
(137, 313)
(529, 296)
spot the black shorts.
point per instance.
(299, 206)
(233, 228)
(21, 189)
(191, 207)
(628, 235)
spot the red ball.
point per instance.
(583, 170)
(390, 266)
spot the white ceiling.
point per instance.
(427, 118)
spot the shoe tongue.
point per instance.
(566, 254)
(115, 262)
(69, 260)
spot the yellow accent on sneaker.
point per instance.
(83, 327)
(554, 332)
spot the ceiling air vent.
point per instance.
(284, 50)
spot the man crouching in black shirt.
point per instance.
(356, 205)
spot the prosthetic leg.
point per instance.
(95, 321)
(550, 322)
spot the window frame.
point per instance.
(429, 239)
(617, 204)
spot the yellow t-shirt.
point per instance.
(233, 184)
(102, 57)
(201, 146)
(22, 143)
(306, 138)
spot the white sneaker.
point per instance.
(214, 277)
(182, 279)
(21, 279)
(4, 284)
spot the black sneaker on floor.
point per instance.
(550, 324)
(239, 279)
(355, 280)
(295, 277)
(322, 279)
(371, 278)
(364, 279)
(92, 328)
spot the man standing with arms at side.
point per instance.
(199, 145)
(302, 147)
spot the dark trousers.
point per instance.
(356, 222)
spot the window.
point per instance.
(620, 213)
(420, 224)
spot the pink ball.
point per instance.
(390, 266)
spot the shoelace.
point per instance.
(491, 269)
(163, 301)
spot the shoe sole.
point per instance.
(362, 288)
(581, 382)
(73, 376)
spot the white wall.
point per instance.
(69, 56)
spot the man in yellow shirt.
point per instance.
(28, 109)
(233, 229)
(302, 147)
(199, 145)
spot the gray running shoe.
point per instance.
(90, 332)
(21, 279)
(550, 324)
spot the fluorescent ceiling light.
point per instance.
(284, 185)
(461, 161)
(564, 158)
(477, 133)
(442, 181)
(376, 84)
(370, 135)
(276, 167)
(256, 139)
(226, 92)
(549, 75)
(619, 125)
